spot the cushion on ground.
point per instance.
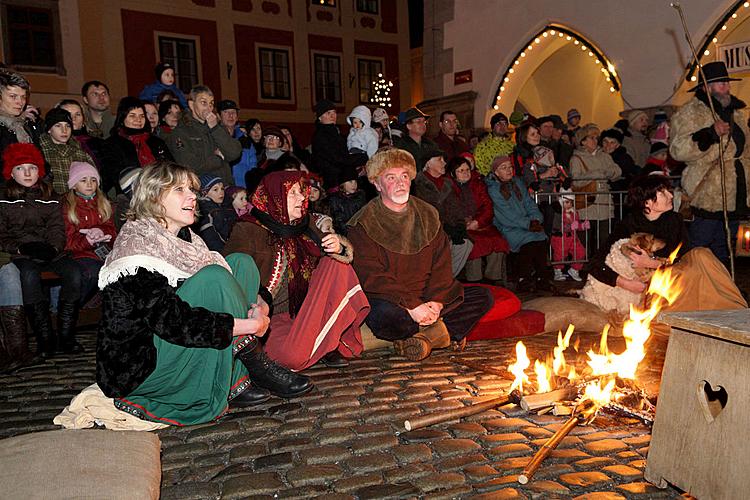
(559, 312)
(81, 464)
(521, 324)
(506, 303)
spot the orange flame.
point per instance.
(543, 377)
(517, 368)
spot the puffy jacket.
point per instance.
(365, 138)
(31, 219)
(151, 91)
(88, 218)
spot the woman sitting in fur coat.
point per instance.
(318, 303)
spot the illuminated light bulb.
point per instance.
(502, 88)
(734, 16)
(510, 70)
(552, 32)
(591, 54)
(523, 54)
(507, 79)
(568, 38)
(575, 42)
(536, 40)
(560, 35)
(611, 89)
(746, 4)
(693, 78)
(707, 53)
(583, 47)
(724, 28)
(715, 40)
(495, 106)
(380, 75)
(608, 79)
(544, 34)
(529, 47)
(516, 61)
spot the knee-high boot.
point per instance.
(38, 315)
(266, 373)
(67, 317)
(13, 320)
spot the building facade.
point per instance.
(275, 58)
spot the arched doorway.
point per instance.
(558, 69)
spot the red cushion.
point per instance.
(506, 303)
(506, 319)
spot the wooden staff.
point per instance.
(484, 368)
(444, 416)
(583, 414)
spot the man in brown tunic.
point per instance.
(403, 261)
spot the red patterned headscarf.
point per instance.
(294, 239)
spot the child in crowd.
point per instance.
(238, 197)
(89, 226)
(165, 81)
(362, 138)
(122, 202)
(216, 219)
(564, 241)
(32, 230)
(657, 159)
(60, 149)
(317, 200)
(346, 201)
(380, 117)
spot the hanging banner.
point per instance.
(736, 56)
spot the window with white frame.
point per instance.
(182, 54)
(31, 35)
(275, 73)
(327, 77)
(368, 71)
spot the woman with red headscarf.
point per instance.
(318, 303)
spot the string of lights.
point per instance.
(382, 92)
(553, 32)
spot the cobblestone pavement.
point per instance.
(346, 439)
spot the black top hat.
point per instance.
(715, 72)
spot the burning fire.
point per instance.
(604, 364)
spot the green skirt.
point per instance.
(194, 385)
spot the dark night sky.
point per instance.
(416, 23)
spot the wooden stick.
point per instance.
(546, 449)
(532, 402)
(484, 368)
(444, 416)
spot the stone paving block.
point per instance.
(486, 384)
(568, 454)
(389, 415)
(172, 464)
(254, 423)
(510, 450)
(512, 463)
(628, 454)
(467, 429)
(451, 493)
(505, 424)
(503, 494)
(371, 462)
(324, 454)
(454, 394)
(240, 487)
(438, 481)
(350, 390)
(623, 471)
(289, 444)
(383, 387)
(332, 423)
(460, 461)
(170, 477)
(480, 472)
(594, 463)
(214, 432)
(567, 442)
(508, 437)
(405, 473)
(303, 492)
(451, 447)
(292, 428)
(600, 495)
(536, 432)
(605, 446)
(640, 463)
(411, 453)
(190, 491)
(437, 406)
(428, 382)
(379, 397)
(547, 488)
(211, 459)
(585, 479)
(284, 408)
(335, 436)
(329, 403)
(313, 474)
(424, 435)
(372, 430)
(276, 460)
(643, 451)
(612, 434)
(642, 488)
(246, 452)
(553, 471)
(374, 443)
(231, 471)
(357, 482)
(387, 491)
(184, 450)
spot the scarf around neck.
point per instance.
(146, 244)
(139, 140)
(16, 125)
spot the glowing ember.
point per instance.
(517, 368)
(543, 377)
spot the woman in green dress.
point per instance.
(178, 336)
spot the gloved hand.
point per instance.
(38, 250)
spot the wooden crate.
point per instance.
(701, 436)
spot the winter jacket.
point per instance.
(628, 167)
(247, 160)
(125, 155)
(99, 151)
(194, 145)
(597, 165)
(513, 216)
(330, 156)
(637, 146)
(215, 223)
(342, 206)
(419, 150)
(447, 203)
(694, 141)
(100, 130)
(138, 307)
(451, 147)
(487, 150)
(151, 91)
(31, 219)
(59, 157)
(364, 139)
(88, 218)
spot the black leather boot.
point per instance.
(265, 373)
(251, 396)
(67, 317)
(16, 340)
(38, 315)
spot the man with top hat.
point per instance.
(414, 141)
(695, 136)
(330, 156)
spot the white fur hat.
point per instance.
(565, 194)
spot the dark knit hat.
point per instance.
(498, 117)
(323, 106)
(161, 68)
(613, 133)
(573, 113)
(128, 178)
(226, 104)
(557, 121)
(57, 115)
(658, 147)
(208, 181)
(19, 153)
(660, 116)
(348, 174)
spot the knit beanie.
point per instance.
(208, 181)
(613, 133)
(20, 153)
(634, 115)
(660, 116)
(498, 117)
(379, 115)
(573, 113)
(322, 107)
(233, 190)
(161, 68)
(128, 178)
(499, 160)
(658, 147)
(517, 118)
(81, 169)
(57, 115)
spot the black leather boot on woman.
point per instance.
(266, 373)
(67, 318)
(46, 341)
